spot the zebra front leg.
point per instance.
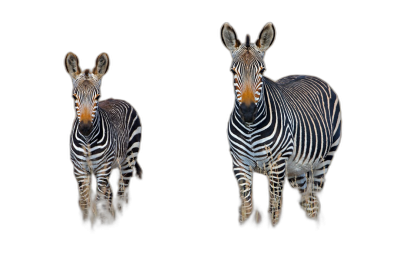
(104, 207)
(83, 179)
(244, 176)
(276, 175)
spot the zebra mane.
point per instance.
(247, 41)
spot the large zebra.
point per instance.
(291, 127)
(105, 135)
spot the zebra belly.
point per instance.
(296, 169)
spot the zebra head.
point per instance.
(86, 91)
(247, 67)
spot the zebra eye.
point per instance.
(97, 97)
(75, 96)
(233, 71)
(262, 70)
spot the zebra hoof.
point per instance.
(243, 216)
(275, 215)
(241, 219)
(119, 207)
(85, 215)
(107, 217)
(122, 199)
(257, 217)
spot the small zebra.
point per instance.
(291, 127)
(105, 135)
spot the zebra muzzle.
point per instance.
(85, 128)
(248, 112)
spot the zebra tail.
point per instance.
(138, 170)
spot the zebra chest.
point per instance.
(258, 150)
(95, 153)
(98, 152)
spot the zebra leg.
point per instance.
(309, 201)
(126, 175)
(104, 207)
(315, 179)
(244, 176)
(299, 182)
(83, 179)
(127, 169)
(276, 175)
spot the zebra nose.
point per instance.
(248, 112)
(85, 128)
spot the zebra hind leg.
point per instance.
(126, 175)
(315, 180)
(309, 201)
(300, 183)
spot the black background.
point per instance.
(169, 63)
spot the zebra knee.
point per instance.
(318, 180)
(318, 183)
(104, 189)
(318, 176)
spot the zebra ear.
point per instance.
(266, 38)
(228, 36)
(72, 65)
(102, 63)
